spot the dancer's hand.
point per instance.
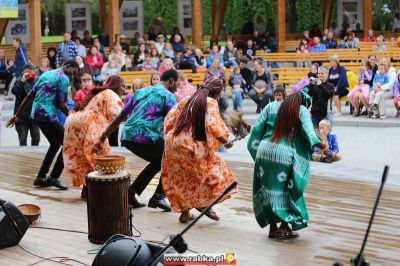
(228, 145)
(325, 150)
(12, 121)
(97, 147)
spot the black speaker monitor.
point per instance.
(13, 224)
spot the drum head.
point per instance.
(108, 177)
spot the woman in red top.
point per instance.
(87, 86)
(370, 37)
(95, 61)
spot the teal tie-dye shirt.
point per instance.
(50, 89)
(147, 108)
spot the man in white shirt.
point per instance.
(388, 87)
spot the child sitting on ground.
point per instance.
(279, 93)
(329, 139)
(376, 93)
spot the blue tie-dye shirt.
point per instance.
(50, 89)
(147, 108)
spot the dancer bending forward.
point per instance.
(282, 150)
(192, 174)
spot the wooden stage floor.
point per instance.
(339, 212)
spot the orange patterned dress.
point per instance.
(83, 128)
(192, 174)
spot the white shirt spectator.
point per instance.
(82, 51)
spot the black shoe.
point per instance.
(55, 182)
(40, 182)
(258, 110)
(132, 200)
(159, 201)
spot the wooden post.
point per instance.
(35, 32)
(3, 27)
(327, 11)
(197, 23)
(218, 17)
(103, 14)
(281, 22)
(367, 16)
(214, 8)
(113, 19)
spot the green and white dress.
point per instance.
(281, 169)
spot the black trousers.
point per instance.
(23, 127)
(113, 138)
(7, 77)
(54, 133)
(151, 152)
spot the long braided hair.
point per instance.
(193, 115)
(114, 83)
(288, 118)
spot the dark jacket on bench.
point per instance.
(320, 95)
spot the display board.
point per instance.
(350, 11)
(78, 16)
(185, 17)
(19, 27)
(131, 18)
(8, 8)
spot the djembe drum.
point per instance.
(107, 205)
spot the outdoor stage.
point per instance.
(339, 212)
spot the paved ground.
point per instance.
(366, 145)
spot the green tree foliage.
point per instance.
(165, 10)
(383, 12)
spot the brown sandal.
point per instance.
(210, 214)
(186, 219)
(279, 234)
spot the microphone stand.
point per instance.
(177, 240)
(359, 260)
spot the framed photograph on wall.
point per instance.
(185, 17)
(19, 27)
(131, 15)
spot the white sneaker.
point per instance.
(337, 114)
(383, 117)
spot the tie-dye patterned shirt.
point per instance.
(147, 108)
(50, 89)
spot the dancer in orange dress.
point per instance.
(85, 124)
(192, 174)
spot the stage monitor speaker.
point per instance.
(120, 250)
(13, 224)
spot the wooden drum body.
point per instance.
(107, 205)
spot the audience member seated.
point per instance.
(315, 31)
(258, 41)
(334, 28)
(118, 52)
(304, 42)
(128, 65)
(259, 25)
(370, 37)
(44, 66)
(5, 73)
(325, 35)
(52, 55)
(87, 40)
(342, 44)
(184, 89)
(200, 62)
(104, 39)
(147, 65)
(330, 42)
(358, 29)
(87, 86)
(175, 31)
(318, 47)
(81, 48)
(139, 56)
(306, 36)
(248, 27)
(343, 31)
(160, 43)
(261, 92)
(135, 42)
(246, 73)
(83, 68)
(95, 61)
(328, 138)
(304, 82)
(178, 44)
(302, 50)
(249, 50)
(351, 40)
(379, 47)
(230, 55)
(187, 61)
(168, 52)
(124, 44)
(214, 53)
(73, 35)
(110, 68)
(360, 93)
(155, 58)
(166, 65)
(396, 23)
(155, 78)
(216, 70)
(271, 45)
(396, 95)
(338, 77)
